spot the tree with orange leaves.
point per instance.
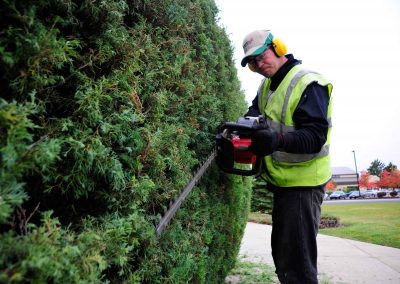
(365, 180)
(390, 179)
(331, 185)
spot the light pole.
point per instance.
(355, 163)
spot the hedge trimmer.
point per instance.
(232, 155)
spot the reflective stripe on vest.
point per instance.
(297, 158)
(289, 90)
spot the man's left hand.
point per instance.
(265, 141)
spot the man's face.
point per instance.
(266, 64)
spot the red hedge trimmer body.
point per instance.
(233, 146)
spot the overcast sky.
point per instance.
(356, 45)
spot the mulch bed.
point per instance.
(329, 222)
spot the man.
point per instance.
(296, 104)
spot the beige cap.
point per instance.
(255, 43)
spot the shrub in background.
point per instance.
(261, 198)
(106, 109)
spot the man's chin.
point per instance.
(266, 74)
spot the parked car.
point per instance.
(381, 193)
(371, 193)
(338, 195)
(356, 194)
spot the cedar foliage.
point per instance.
(106, 109)
(261, 198)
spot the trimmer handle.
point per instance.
(246, 126)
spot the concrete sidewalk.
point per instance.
(339, 260)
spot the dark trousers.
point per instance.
(295, 219)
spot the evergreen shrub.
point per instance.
(261, 198)
(106, 109)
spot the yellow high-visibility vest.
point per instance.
(286, 169)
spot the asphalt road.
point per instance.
(367, 200)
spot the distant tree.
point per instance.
(365, 180)
(390, 167)
(376, 168)
(331, 185)
(390, 179)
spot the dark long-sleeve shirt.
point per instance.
(310, 117)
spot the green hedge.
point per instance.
(106, 109)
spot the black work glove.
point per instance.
(265, 141)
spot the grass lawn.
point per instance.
(376, 223)
(260, 218)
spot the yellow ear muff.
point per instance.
(279, 47)
(252, 67)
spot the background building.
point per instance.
(344, 177)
